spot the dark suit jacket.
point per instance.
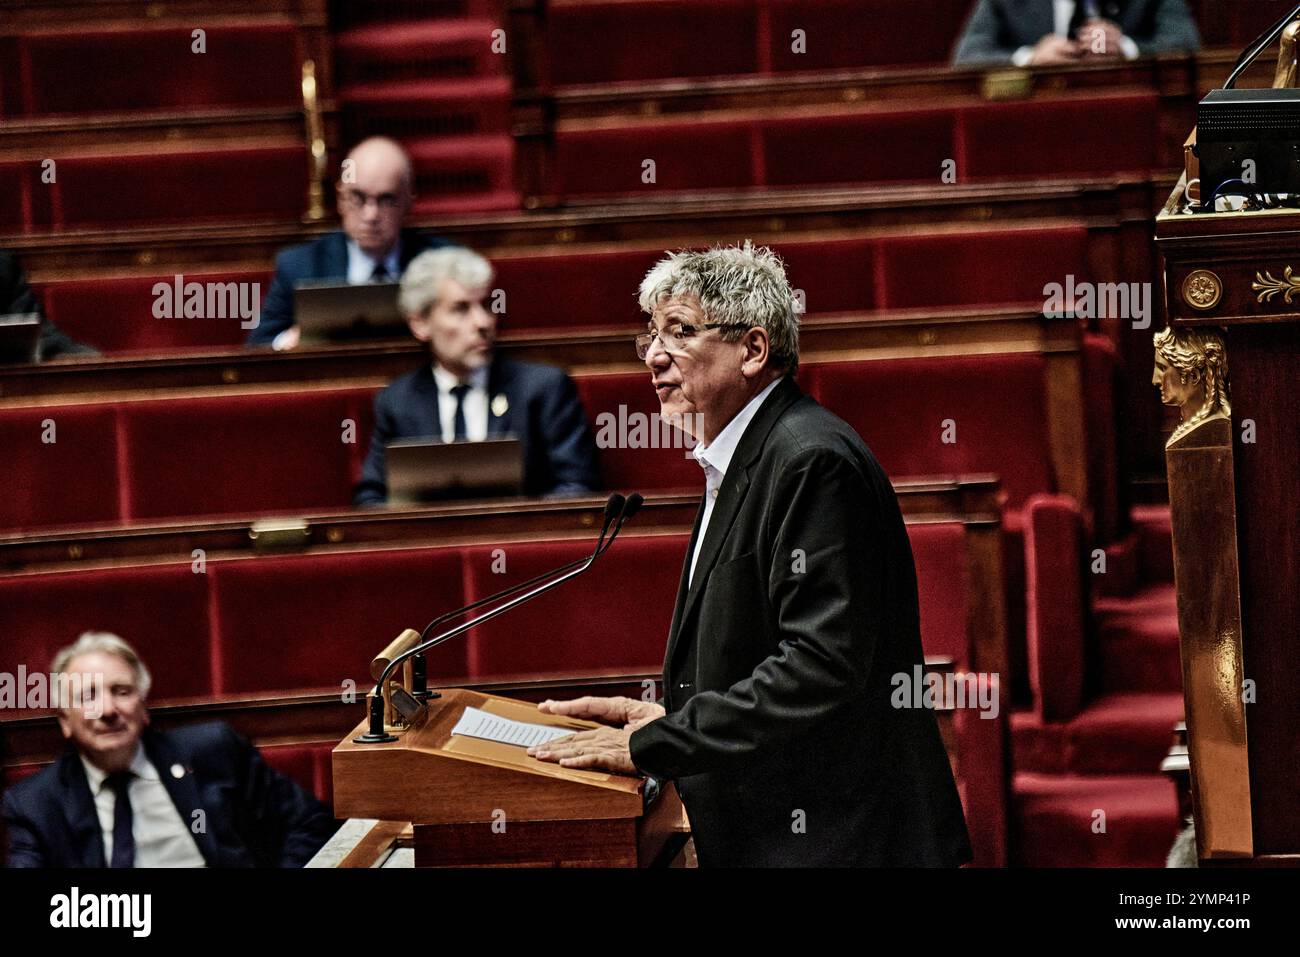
(997, 28)
(16, 297)
(777, 676)
(323, 258)
(255, 817)
(543, 412)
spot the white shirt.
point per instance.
(715, 459)
(1062, 12)
(162, 837)
(476, 403)
(361, 266)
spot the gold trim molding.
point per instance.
(1268, 287)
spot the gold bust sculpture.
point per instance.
(1191, 372)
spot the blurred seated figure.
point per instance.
(1046, 32)
(374, 198)
(125, 795)
(16, 297)
(467, 393)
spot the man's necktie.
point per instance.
(459, 431)
(1084, 10)
(123, 819)
(381, 272)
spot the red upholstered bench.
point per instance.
(161, 609)
(858, 148)
(63, 466)
(156, 68)
(598, 289)
(1006, 265)
(651, 40)
(614, 617)
(243, 453)
(687, 156)
(842, 34)
(120, 315)
(622, 409)
(901, 407)
(1097, 133)
(216, 184)
(295, 622)
(744, 36)
(15, 195)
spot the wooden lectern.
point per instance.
(474, 802)
(1232, 297)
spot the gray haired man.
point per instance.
(797, 605)
(125, 795)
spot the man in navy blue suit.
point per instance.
(1028, 33)
(467, 393)
(374, 198)
(124, 795)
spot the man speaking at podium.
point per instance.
(797, 604)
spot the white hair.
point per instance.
(738, 286)
(107, 643)
(424, 276)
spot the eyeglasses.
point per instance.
(356, 199)
(674, 337)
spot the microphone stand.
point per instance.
(614, 507)
(376, 734)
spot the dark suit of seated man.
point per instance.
(467, 393)
(1047, 32)
(374, 198)
(16, 297)
(124, 795)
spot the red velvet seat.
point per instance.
(160, 609)
(687, 156)
(1095, 133)
(243, 453)
(902, 407)
(296, 622)
(15, 196)
(117, 315)
(620, 404)
(214, 185)
(596, 289)
(858, 148)
(82, 71)
(611, 42)
(943, 581)
(76, 479)
(1058, 825)
(842, 34)
(615, 617)
(966, 269)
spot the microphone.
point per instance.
(615, 506)
(629, 507)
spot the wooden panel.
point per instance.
(1264, 366)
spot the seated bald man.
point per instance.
(374, 199)
(125, 795)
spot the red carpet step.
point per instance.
(1058, 821)
(1138, 640)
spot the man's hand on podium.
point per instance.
(604, 748)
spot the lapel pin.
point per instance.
(500, 405)
(178, 772)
